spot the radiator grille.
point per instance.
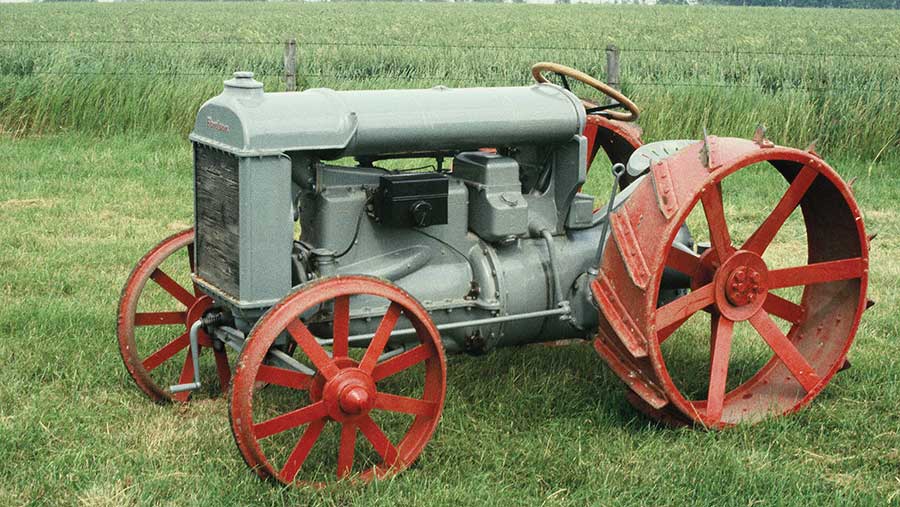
(217, 209)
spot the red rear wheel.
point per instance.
(776, 328)
(154, 320)
(304, 426)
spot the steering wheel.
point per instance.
(621, 101)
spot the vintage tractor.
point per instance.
(342, 283)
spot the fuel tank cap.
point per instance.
(243, 80)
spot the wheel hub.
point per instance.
(348, 395)
(741, 284)
(354, 400)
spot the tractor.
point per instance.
(324, 279)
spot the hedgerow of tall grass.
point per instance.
(826, 75)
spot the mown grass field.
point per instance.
(94, 169)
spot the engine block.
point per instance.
(470, 240)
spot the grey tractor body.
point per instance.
(288, 189)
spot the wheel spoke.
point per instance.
(164, 354)
(684, 307)
(718, 369)
(159, 318)
(341, 327)
(187, 375)
(346, 450)
(763, 236)
(714, 316)
(301, 450)
(682, 261)
(715, 218)
(376, 346)
(404, 404)
(223, 370)
(780, 307)
(664, 333)
(820, 272)
(283, 377)
(290, 420)
(401, 362)
(313, 350)
(171, 286)
(785, 350)
(379, 441)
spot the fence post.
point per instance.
(290, 65)
(612, 68)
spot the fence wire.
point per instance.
(480, 47)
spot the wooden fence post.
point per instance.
(612, 68)
(290, 65)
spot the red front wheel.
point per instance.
(154, 319)
(305, 426)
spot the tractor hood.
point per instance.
(246, 121)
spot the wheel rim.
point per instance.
(344, 390)
(735, 286)
(155, 344)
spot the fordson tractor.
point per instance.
(321, 287)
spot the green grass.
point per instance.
(849, 103)
(524, 426)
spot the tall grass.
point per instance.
(725, 69)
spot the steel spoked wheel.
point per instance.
(344, 409)
(156, 311)
(762, 331)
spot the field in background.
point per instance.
(807, 74)
(95, 168)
